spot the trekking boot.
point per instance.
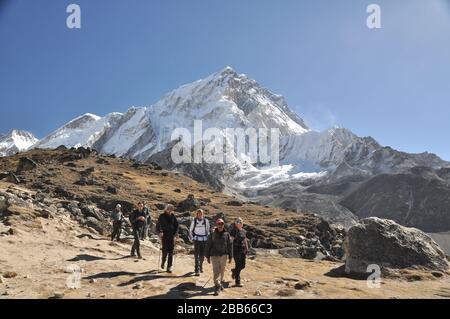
(222, 288)
(197, 273)
(169, 269)
(238, 283)
(216, 291)
(139, 257)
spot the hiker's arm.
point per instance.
(130, 218)
(232, 233)
(230, 249)
(208, 228)
(176, 226)
(158, 225)
(247, 245)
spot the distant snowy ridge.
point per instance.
(227, 99)
(84, 131)
(16, 141)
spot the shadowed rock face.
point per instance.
(418, 199)
(26, 164)
(443, 239)
(293, 196)
(386, 244)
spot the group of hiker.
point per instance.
(217, 246)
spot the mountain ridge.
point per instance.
(16, 141)
(324, 167)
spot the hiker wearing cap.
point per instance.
(240, 249)
(199, 232)
(218, 250)
(167, 227)
(117, 217)
(137, 220)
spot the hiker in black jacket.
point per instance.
(218, 250)
(240, 249)
(167, 227)
(137, 220)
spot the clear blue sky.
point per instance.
(392, 84)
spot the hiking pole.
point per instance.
(174, 254)
(207, 282)
(159, 258)
(174, 259)
(159, 252)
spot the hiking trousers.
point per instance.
(219, 264)
(136, 248)
(168, 246)
(239, 261)
(117, 229)
(144, 234)
(199, 255)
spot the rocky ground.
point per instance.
(53, 220)
(87, 186)
(35, 261)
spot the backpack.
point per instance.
(196, 222)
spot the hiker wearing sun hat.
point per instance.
(240, 249)
(218, 250)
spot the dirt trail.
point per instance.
(40, 257)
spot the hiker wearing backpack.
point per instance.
(148, 222)
(199, 232)
(218, 250)
(137, 220)
(167, 227)
(240, 249)
(117, 217)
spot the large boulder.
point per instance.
(91, 211)
(26, 164)
(183, 231)
(9, 177)
(189, 204)
(390, 246)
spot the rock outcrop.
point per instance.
(26, 164)
(390, 246)
(189, 204)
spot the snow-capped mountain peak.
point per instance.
(84, 131)
(235, 99)
(16, 141)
